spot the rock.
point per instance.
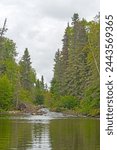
(22, 106)
(33, 114)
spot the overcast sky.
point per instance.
(39, 26)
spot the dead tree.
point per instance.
(3, 29)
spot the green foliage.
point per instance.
(76, 68)
(39, 99)
(60, 103)
(68, 102)
(17, 80)
(32, 87)
(39, 92)
(27, 74)
(75, 84)
(6, 93)
(91, 103)
(7, 49)
(42, 83)
(25, 95)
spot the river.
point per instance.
(51, 131)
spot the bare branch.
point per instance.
(3, 28)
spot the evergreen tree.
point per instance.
(42, 82)
(56, 81)
(77, 64)
(18, 83)
(39, 98)
(27, 74)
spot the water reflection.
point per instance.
(75, 134)
(40, 137)
(23, 135)
(43, 133)
(14, 134)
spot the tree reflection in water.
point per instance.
(34, 133)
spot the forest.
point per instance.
(75, 86)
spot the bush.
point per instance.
(25, 95)
(6, 93)
(39, 99)
(68, 102)
(91, 102)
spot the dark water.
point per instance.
(49, 132)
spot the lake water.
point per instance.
(52, 131)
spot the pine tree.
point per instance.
(26, 71)
(42, 82)
(56, 81)
(77, 64)
(39, 98)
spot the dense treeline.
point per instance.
(18, 82)
(75, 84)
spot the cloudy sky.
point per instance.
(39, 26)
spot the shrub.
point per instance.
(68, 102)
(6, 93)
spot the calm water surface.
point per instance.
(52, 131)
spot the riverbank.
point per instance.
(77, 114)
(25, 109)
(40, 110)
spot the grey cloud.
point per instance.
(39, 25)
(64, 9)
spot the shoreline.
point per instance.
(41, 112)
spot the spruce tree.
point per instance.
(25, 71)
